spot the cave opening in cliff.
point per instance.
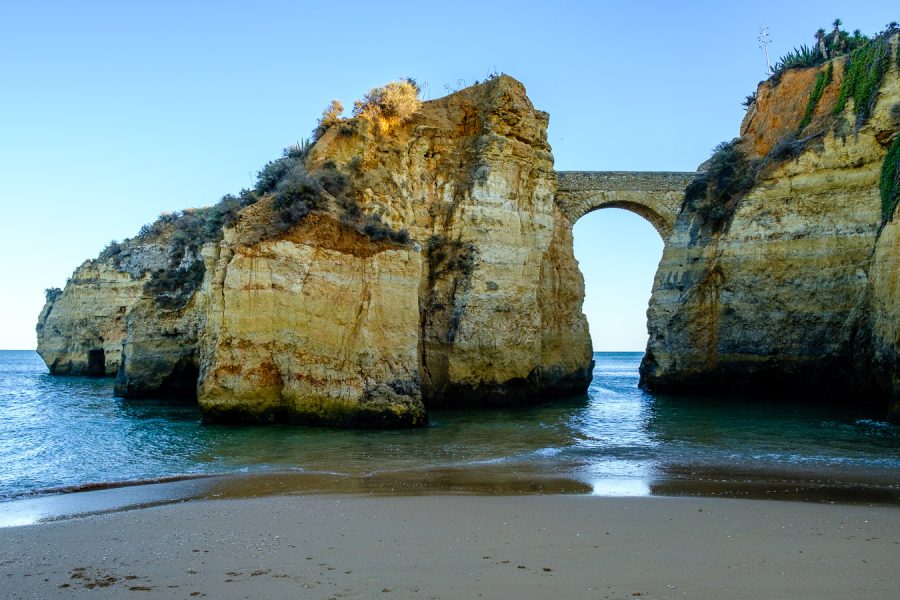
(618, 252)
(96, 362)
(181, 383)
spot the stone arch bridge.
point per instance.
(654, 195)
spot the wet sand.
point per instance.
(434, 546)
(767, 484)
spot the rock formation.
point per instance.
(794, 290)
(427, 263)
(478, 304)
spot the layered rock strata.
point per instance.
(797, 293)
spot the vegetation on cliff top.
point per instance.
(385, 106)
(714, 193)
(295, 193)
(730, 174)
(868, 59)
(828, 45)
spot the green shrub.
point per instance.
(749, 101)
(172, 288)
(51, 294)
(714, 194)
(890, 180)
(272, 173)
(450, 256)
(298, 151)
(333, 181)
(378, 231)
(823, 80)
(863, 74)
(331, 116)
(804, 56)
(296, 195)
(112, 250)
(787, 148)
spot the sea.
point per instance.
(66, 434)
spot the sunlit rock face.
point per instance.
(471, 178)
(319, 326)
(797, 295)
(323, 324)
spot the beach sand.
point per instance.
(537, 546)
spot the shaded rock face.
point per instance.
(160, 353)
(323, 324)
(797, 294)
(884, 318)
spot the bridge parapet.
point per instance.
(654, 195)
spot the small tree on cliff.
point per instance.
(836, 41)
(331, 116)
(389, 105)
(820, 43)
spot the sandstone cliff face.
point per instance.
(319, 326)
(798, 290)
(323, 324)
(81, 330)
(471, 177)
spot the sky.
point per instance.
(113, 112)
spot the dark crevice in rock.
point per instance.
(96, 363)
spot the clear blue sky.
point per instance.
(112, 112)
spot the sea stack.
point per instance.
(419, 255)
(409, 264)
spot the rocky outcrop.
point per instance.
(477, 303)
(81, 329)
(425, 262)
(319, 326)
(795, 292)
(160, 350)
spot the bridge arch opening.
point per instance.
(618, 248)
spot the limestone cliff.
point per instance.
(791, 289)
(434, 269)
(471, 177)
(81, 329)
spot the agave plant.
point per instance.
(804, 56)
(749, 100)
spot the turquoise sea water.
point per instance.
(67, 432)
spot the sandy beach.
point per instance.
(539, 546)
